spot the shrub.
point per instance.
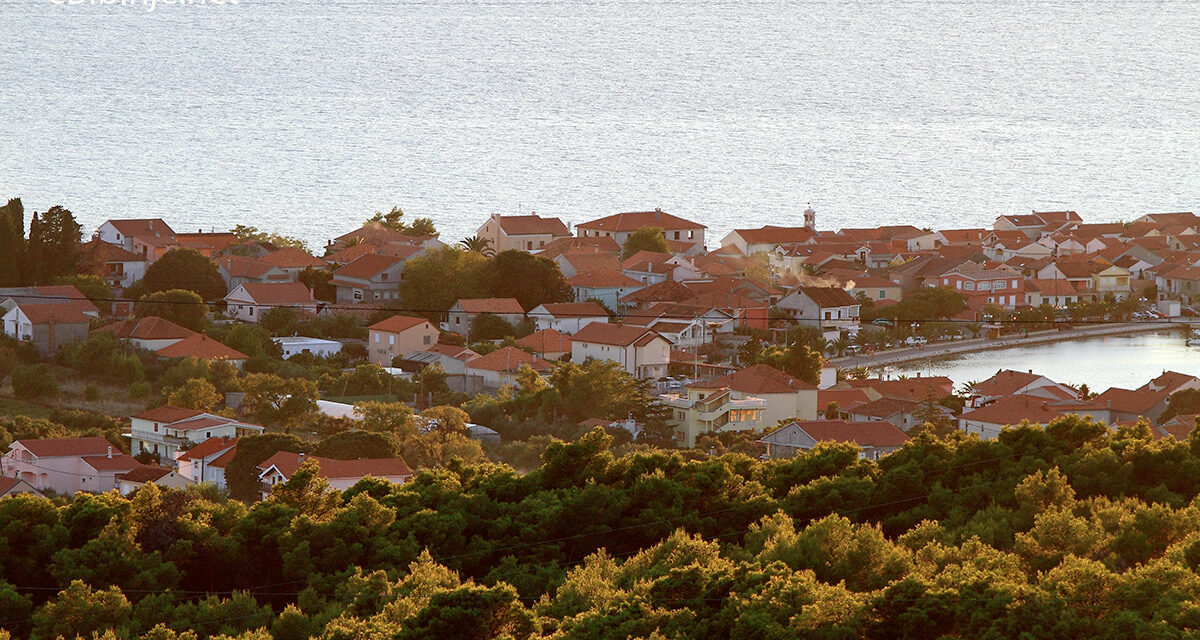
(139, 390)
(91, 392)
(34, 381)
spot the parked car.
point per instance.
(852, 350)
(915, 340)
(882, 322)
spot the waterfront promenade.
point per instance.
(958, 347)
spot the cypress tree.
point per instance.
(12, 243)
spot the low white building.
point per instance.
(131, 481)
(291, 345)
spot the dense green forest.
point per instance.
(1068, 531)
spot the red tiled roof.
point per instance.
(144, 474)
(398, 324)
(496, 306)
(120, 462)
(546, 341)
(211, 241)
(570, 246)
(366, 266)
(638, 219)
(148, 328)
(58, 447)
(1050, 287)
(142, 226)
(645, 257)
(222, 461)
(602, 280)
(885, 407)
(351, 253)
(168, 414)
(775, 235)
(202, 347)
(453, 351)
(612, 334)
(243, 267)
(759, 378)
(828, 296)
(532, 224)
(279, 293)
(287, 463)
(54, 313)
(574, 310)
(846, 399)
(1126, 401)
(583, 262)
(103, 252)
(508, 359)
(208, 448)
(1006, 382)
(665, 291)
(292, 258)
(1014, 409)
(871, 434)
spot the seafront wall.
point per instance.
(974, 345)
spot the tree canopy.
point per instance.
(184, 308)
(531, 279)
(645, 239)
(185, 269)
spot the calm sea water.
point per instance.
(1127, 361)
(305, 117)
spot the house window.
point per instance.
(529, 245)
(377, 337)
(958, 284)
(676, 235)
(999, 284)
(541, 243)
(427, 338)
(969, 286)
(391, 339)
(945, 280)
(691, 235)
(882, 294)
(357, 295)
(155, 427)
(251, 312)
(383, 276)
(827, 317)
(1014, 284)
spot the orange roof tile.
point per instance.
(366, 266)
(398, 324)
(602, 280)
(208, 448)
(496, 306)
(532, 224)
(202, 347)
(508, 359)
(759, 378)
(148, 328)
(546, 341)
(292, 258)
(59, 447)
(1013, 409)
(287, 462)
(871, 434)
(612, 334)
(279, 293)
(638, 219)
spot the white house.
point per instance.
(567, 317)
(641, 352)
(821, 307)
(341, 474)
(500, 367)
(164, 431)
(524, 233)
(66, 465)
(369, 279)
(875, 439)
(206, 462)
(620, 226)
(131, 481)
(250, 300)
(151, 333)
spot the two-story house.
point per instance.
(524, 233)
(164, 431)
(1000, 284)
(567, 317)
(206, 462)
(641, 352)
(621, 225)
(755, 398)
(399, 336)
(874, 439)
(825, 308)
(150, 238)
(66, 465)
(369, 279)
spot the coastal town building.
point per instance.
(639, 351)
(567, 317)
(523, 233)
(66, 465)
(398, 336)
(874, 439)
(248, 302)
(164, 431)
(341, 474)
(620, 226)
(462, 314)
(369, 279)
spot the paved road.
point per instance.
(941, 349)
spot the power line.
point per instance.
(633, 314)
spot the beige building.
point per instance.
(755, 398)
(641, 352)
(523, 233)
(621, 225)
(399, 336)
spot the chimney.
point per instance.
(1031, 372)
(110, 451)
(301, 457)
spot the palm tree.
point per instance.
(837, 346)
(476, 244)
